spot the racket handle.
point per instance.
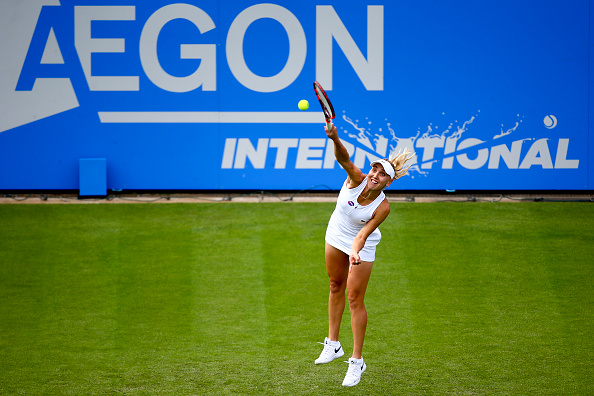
(328, 125)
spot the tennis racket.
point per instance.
(325, 103)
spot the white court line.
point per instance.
(209, 117)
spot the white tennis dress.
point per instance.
(349, 217)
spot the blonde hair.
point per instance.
(399, 160)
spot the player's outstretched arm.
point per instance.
(344, 159)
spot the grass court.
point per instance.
(225, 299)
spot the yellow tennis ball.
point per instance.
(303, 104)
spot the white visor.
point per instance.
(388, 168)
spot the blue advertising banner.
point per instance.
(203, 94)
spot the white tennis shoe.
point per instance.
(353, 375)
(332, 350)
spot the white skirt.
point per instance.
(344, 243)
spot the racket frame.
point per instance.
(327, 107)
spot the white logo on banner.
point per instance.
(550, 121)
(443, 149)
(49, 96)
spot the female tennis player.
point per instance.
(351, 238)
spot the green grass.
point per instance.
(464, 298)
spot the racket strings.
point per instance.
(324, 101)
(327, 108)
